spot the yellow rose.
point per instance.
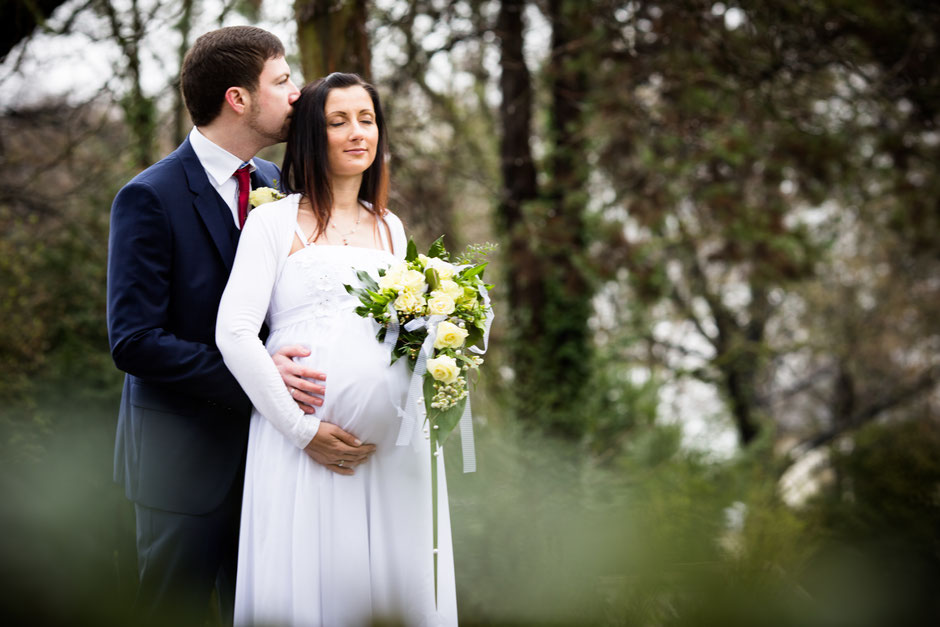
(413, 280)
(409, 302)
(451, 289)
(440, 304)
(444, 369)
(449, 335)
(392, 277)
(261, 195)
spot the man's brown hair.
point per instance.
(233, 56)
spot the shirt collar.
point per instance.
(219, 163)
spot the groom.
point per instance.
(183, 424)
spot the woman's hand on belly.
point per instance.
(337, 450)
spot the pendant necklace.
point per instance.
(355, 228)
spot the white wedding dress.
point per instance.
(315, 547)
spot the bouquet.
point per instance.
(436, 315)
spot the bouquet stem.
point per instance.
(435, 448)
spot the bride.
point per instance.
(317, 547)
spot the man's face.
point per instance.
(272, 102)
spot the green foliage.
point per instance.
(879, 519)
(53, 250)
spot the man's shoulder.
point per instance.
(167, 174)
(268, 171)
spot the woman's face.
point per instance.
(352, 133)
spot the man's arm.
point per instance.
(140, 252)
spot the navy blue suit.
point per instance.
(183, 422)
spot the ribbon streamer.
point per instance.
(391, 333)
(466, 440)
(489, 320)
(414, 404)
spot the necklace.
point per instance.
(355, 228)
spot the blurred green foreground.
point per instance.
(544, 534)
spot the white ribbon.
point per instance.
(414, 404)
(486, 323)
(466, 439)
(391, 332)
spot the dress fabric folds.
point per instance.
(315, 547)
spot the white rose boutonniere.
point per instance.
(261, 195)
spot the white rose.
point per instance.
(444, 269)
(440, 304)
(392, 277)
(261, 195)
(413, 280)
(449, 335)
(409, 302)
(444, 369)
(451, 289)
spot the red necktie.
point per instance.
(244, 186)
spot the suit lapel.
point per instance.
(213, 212)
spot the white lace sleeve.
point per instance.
(261, 250)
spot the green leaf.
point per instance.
(412, 252)
(468, 273)
(437, 248)
(474, 336)
(367, 281)
(445, 420)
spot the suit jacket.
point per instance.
(183, 422)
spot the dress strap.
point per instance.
(303, 236)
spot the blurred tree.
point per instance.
(53, 216)
(21, 17)
(739, 157)
(548, 285)
(444, 162)
(127, 29)
(333, 37)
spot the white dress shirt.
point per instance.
(220, 166)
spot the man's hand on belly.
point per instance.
(300, 379)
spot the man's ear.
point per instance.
(238, 99)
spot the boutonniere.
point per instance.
(261, 195)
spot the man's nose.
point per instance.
(294, 94)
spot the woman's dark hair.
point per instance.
(233, 56)
(306, 163)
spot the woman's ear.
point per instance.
(238, 99)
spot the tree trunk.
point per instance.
(549, 298)
(332, 37)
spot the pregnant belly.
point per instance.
(362, 390)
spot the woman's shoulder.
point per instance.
(394, 221)
(397, 230)
(277, 212)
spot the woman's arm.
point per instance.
(241, 313)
